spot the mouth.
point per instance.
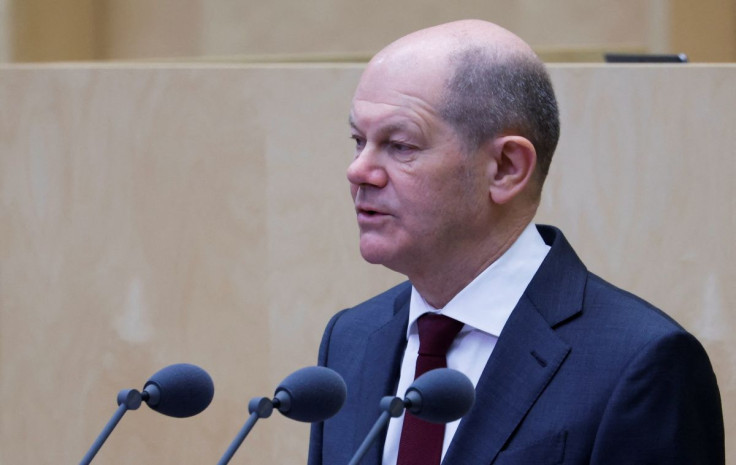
(366, 214)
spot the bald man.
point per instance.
(454, 130)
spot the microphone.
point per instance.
(441, 395)
(309, 394)
(179, 390)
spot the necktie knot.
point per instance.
(436, 333)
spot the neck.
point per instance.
(441, 283)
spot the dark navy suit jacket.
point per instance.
(582, 373)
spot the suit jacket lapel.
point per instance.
(518, 371)
(381, 367)
(527, 355)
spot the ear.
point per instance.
(511, 168)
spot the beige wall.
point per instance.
(356, 26)
(51, 30)
(579, 30)
(160, 28)
(159, 214)
(707, 31)
(4, 32)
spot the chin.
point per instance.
(372, 256)
(377, 252)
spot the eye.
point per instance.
(359, 142)
(401, 148)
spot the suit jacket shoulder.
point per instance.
(586, 373)
(364, 344)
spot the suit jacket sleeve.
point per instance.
(666, 409)
(315, 438)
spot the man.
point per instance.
(454, 130)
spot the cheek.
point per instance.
(450, 196)
(422, 203)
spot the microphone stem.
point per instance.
(239, 438)
(368, 441)
(122, 408)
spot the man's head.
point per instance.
(492, 93)
(450, 138)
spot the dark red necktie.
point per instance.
(421, 441)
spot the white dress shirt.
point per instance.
(484, 306)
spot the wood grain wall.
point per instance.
(155, 214)
(564, 30)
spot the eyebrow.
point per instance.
(384, 130)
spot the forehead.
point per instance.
(404, 72)
(399, 89)
(399, 116)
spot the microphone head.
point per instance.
(311, 394)
(441, 395)
(180, 390)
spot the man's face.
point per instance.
(420, 199)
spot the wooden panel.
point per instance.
(153, 29)
(47, 30)
(54, 30)
(705, 30)
(157, 214)
(574, 30)
(5, 45)
(284, 26)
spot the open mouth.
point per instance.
(365, 214)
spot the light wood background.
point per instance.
(563, 30)
(5, 32)
(155, 214)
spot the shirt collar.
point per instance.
(487, 302)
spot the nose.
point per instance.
(367, 169)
